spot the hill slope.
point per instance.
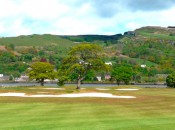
(153, 46)
(35, 40)
(156, 32)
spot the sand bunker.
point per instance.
(12, 94)
(50, 88)
(55, 88)
(128, 89)
(102, 89)
(42, 92)
(105, 95)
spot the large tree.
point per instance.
(122, 73)
(170, 80)
(82, 59)
(41, 71)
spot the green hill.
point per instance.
(35, 40)
(92, 38)
(156, 32)
(153, 46)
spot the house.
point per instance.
(4, 78)
(108, 63)
(23, 78)
(84, 63)
(143, 66)
(107, 76)
(98, 78)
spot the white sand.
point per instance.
(128, 89)
(106, 95)
(102, 89)
(50, 88)
(55, 88)
(42, 92)
(12, 94)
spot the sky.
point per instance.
(75, 17)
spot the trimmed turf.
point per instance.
(153, 109)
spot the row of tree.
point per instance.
(81, 60)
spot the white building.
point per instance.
(108, 63)
(143, 66)
(1, 75)
(98, 78)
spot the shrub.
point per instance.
(170, 80)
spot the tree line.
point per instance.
(82, 61)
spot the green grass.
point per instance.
(159, 36)
(153, 109)
(35, 40)
(142, 61)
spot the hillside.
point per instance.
(18, 52)
(156, 32)
(35, 40)
(152, 46)
(92, 38)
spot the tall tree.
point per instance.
(41, 71)
(122, 73)
(82, 59)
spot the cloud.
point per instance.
(110, 8)
(106, 8)
(2, 28)
(149, 5)
(19, 17)
(132, 25)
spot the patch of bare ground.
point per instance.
(2, 48)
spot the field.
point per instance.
(152, 109)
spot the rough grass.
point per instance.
(141, 61)
(35, 40)
(159, 36)
(153, 109)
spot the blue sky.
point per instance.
(73, 17)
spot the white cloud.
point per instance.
(132, 26)
(167, 17)
(85, 10)
(2, 28)
(8, 8)
(36, 9)
(43, 9)
(18, 28)
(19, 17)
